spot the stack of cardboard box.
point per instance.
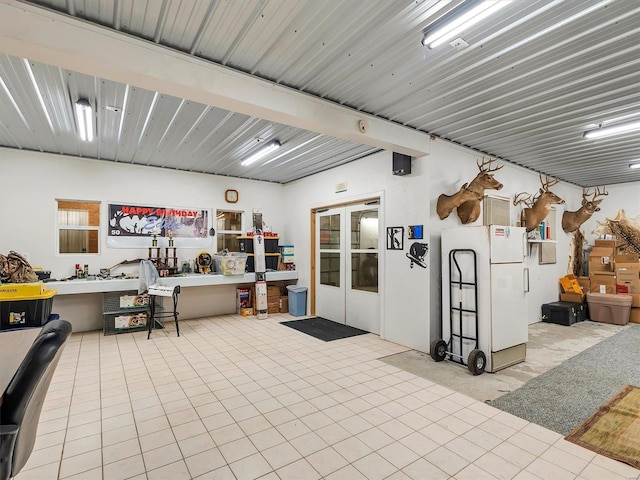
(628, 282)
(602, 276)
(273, 299)
(615, 273)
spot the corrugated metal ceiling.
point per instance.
(534, 76)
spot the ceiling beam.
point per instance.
(48, 37)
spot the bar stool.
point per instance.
(162, 313)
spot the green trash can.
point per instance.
(297, 300)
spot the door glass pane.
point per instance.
(330, 269)
(364, 271)
(330, 232)
(364, 229)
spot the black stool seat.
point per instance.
(161, 314)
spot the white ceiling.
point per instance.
(200, 83)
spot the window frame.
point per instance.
(237, 233)
(84, 228)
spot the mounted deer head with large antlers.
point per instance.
(469, 210)
(446, 203)
(571, 221)
(538, 207)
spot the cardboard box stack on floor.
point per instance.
(615, 273)
(613, 279)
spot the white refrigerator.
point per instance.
(484, 276)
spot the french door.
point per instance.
(347, 264)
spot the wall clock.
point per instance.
(231, 196)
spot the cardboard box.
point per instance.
(625, 258)
(600, 242)
(243, 300)
(634, 315)
(601, 260)
(572, 297)
(284, 304)
(603, 282)
(585, 284)
(635, 299)
(628, 274)
(134, 301)
(570, 284)
(122, 322)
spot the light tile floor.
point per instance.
(236, 397)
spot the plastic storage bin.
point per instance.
(297, 300)
(609, 308)
(26, 311)
(233, 263)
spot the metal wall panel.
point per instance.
(533, 77)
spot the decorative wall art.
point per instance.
(132, 226)
(395, 238)
(416, 254)
(414, 232)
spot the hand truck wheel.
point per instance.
(438, 350)
(476, 362)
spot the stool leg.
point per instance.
(175, 311)
(150, 320)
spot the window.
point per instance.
(78, 226)
(229, 227)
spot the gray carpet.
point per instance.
(565, 396)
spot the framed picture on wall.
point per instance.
(395, 238)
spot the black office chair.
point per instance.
(22, 400)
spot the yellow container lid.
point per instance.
(17, 298)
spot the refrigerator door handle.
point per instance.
(526, 279)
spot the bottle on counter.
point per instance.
(85, 274)
(78, 271)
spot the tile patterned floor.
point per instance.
(240, 398)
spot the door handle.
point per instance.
(525, 274)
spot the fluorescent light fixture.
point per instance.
(612, 130)
(268, 148)
(634, 166)
(32, 77)
(84, 113)
(460, 19)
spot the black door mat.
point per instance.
(324, 329)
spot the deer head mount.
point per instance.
(571, 221)
(538, 206)
(446, 203)
(469, 210)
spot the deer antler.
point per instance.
(586, 194)
(525, 200)
(599, 193)
(487, 164)
(549, 182)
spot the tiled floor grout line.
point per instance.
(259, 361)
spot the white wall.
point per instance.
(410, 299)
(404, 290)
(31, 183)
(411, 317)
